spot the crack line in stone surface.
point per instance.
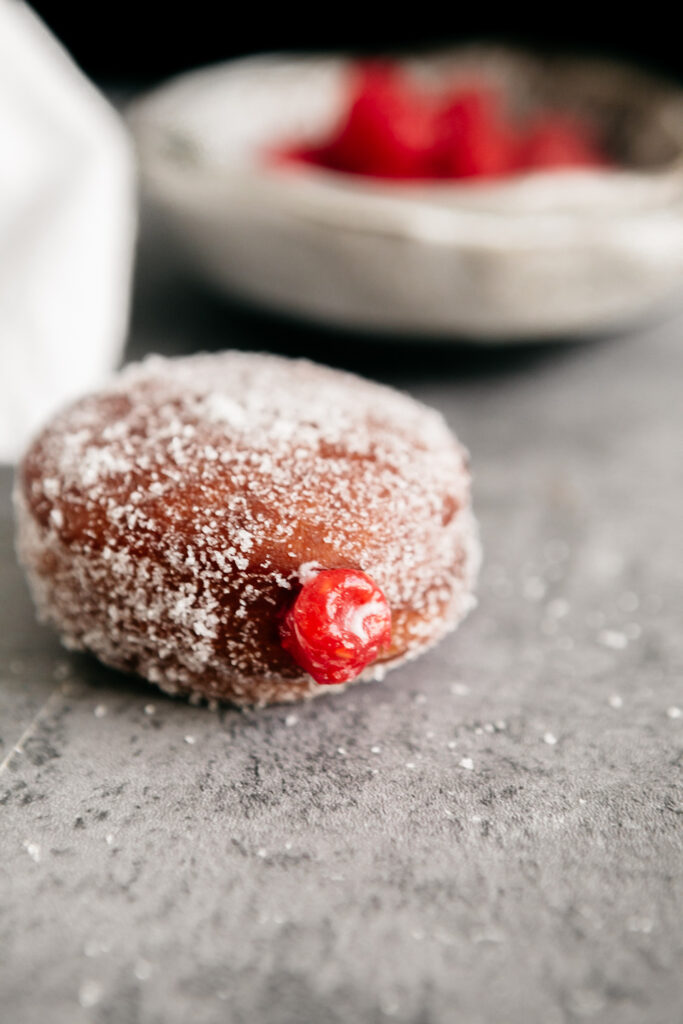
(18, 747)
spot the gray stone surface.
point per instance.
(492, 835)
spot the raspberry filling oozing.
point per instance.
(337, 625)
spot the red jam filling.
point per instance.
(391, 128)
(338, 624)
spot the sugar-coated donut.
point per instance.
(171, 523)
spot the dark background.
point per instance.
(119, 43)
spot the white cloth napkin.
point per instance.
(67, 227)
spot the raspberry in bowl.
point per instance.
(392, 129)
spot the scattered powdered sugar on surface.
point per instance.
(165, 521)
(89, 993)
(33, 850)
(613, 638)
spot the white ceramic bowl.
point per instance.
(542, 254)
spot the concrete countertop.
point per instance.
(493, 835)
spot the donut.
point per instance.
(248, 528)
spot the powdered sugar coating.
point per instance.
(165, 521)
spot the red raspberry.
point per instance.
(474, 139)
(337, 625)
(556, 141)
(389, 128)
